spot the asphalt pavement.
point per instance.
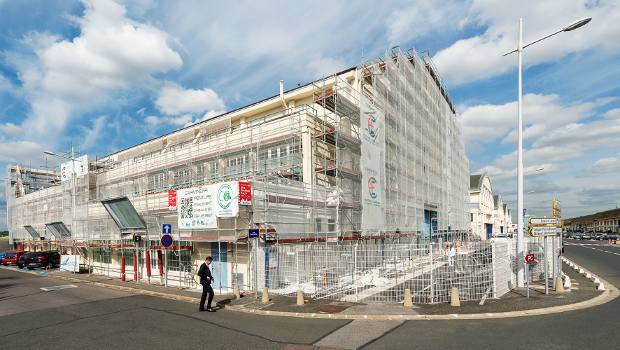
(67, 315)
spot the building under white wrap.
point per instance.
(371, 152)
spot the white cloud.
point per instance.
(607, 165)
(324, 66)
(182, 120)
(112, 53)
(480, 57)
(174, 100)
(420, 18)
(613, 113)
(10, 129)
(93, 134)
(19, 151)
(541, 114)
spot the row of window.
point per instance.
(177, 260)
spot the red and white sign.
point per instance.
(172, 199)
(530, 259)
(245, 193)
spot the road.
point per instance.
(83, 316)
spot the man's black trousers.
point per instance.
(206, 289)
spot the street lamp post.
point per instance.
(519, 51)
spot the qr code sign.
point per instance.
(187, 208)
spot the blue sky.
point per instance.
(104, 75)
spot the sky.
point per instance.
(102, 75)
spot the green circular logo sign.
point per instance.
(224, 196)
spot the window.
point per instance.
(179, 260)
(471, 217)
(158, 181)
(237, 165)
(182, 177)
(102, 255)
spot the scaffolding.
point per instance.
(302, 152)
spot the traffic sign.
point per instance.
(166, 229)
(166, 240)
(137, 238)
(544, 221)
(253, 233)
(543, 230)
(530, 259)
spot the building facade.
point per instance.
(602, 222)
(369, 152)
(489, 216)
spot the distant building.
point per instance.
(489, 216)
(604, 221)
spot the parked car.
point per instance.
(613, 237)
(11, 258)
(48, 259)
(21, 262)
(585, 235)
(602, 237)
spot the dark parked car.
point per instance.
(21, 262)
(43, 259)
(11, 258)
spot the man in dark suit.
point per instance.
(205, 279)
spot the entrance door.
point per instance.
(430, 223)
(489, 228)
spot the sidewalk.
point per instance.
(582, 294)
(187, 295)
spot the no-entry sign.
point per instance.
(166, 240)
(530, 259)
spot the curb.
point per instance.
(607, 295)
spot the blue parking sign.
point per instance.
(166, 229)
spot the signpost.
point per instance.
(166, 229)
(166, 240)
(537, 231)
(530, 259)
(253, 233)
(544, 221)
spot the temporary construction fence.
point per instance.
(380, 271)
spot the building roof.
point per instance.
(601, 215)
(475, 182)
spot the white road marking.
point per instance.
(52, 288)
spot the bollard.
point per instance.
(236, 291)
(408, 299)
(265, 299)
(454, 297)
(567, 283)
(559, 286)
(600, 287)
(300, 297)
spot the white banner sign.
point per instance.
(79, 166)
(199, 207)
(70, 263)
(372, 166)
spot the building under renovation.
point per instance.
(370, 152)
